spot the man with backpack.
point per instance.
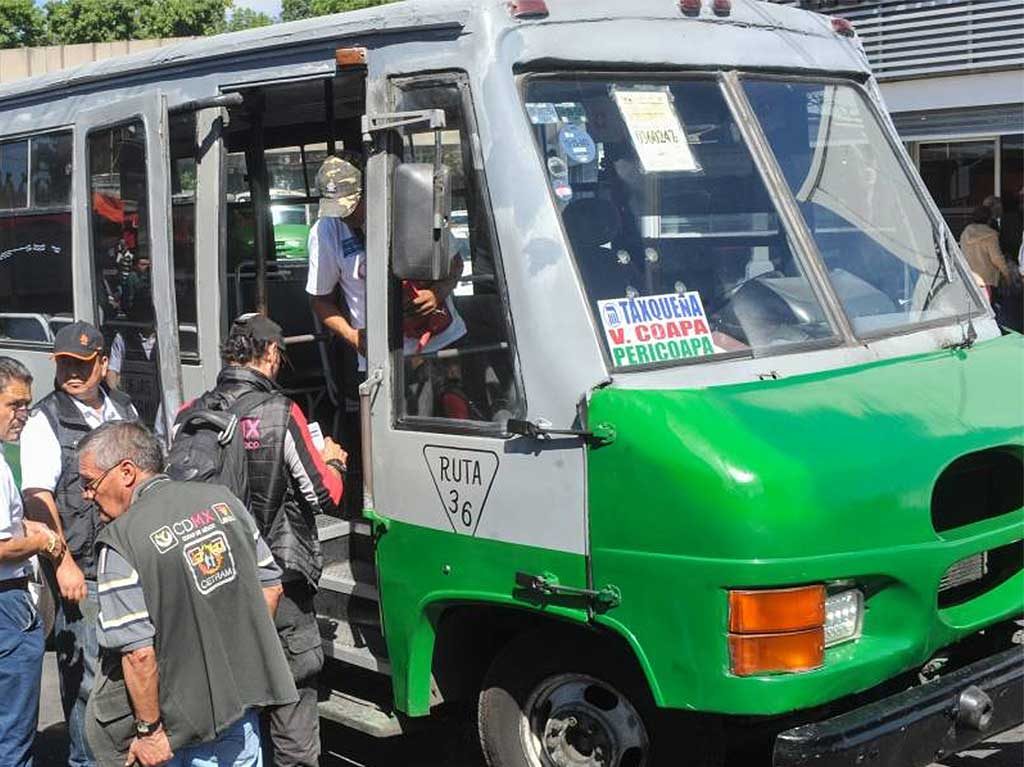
(289, 481)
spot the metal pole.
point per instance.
(260, 194)
(329, 112)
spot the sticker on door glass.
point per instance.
(650, 329)
(657, 134)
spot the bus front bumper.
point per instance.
(915, 727)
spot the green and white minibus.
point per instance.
(737, 443)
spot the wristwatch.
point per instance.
(145, 729)
(334, 463)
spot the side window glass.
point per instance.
(458, 362)
(121, 262)
(183, 222)
(35, 237)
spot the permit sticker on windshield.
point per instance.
(541, 113)
(650, 329)
(657, 134)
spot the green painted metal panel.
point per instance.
(423, 571)
(817, 477)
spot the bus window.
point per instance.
(121, 262)
(458, 362)
(183, 218)
(35, 237)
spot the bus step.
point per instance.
(355, 577)
(333, 605)
(362, 715)
(341, 539)
(356, 645)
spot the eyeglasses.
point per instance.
(91, 487)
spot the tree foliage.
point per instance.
(21, 23)
(182, 18)
(292, 10)
(247, 18)
(324, 7)
(92, 21)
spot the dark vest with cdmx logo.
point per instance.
(193, 548)
(80, 518)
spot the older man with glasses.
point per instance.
(21, 632)
(189, 653)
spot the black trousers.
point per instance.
(295, 729)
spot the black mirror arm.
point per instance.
(602, 434)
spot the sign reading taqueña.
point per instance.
(649, 329)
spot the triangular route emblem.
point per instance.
(463, 479)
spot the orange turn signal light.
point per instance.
(767, 653)
(770, 611)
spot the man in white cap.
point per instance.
(337, 256)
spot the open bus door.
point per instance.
(123, 201)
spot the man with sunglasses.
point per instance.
(21, 631)
(79, 403)
(290, 481)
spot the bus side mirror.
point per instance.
(421, 209)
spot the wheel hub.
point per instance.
(574, 720)
(576, 739)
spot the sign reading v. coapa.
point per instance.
(647, 329)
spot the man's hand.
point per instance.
(150, 751)
(71, 581)
(426, 301)
(47, 542)
(333, 451)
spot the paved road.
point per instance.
(441, 744)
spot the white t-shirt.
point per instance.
(337, 256)
(11, 515)
(40, 450)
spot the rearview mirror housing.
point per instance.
(420, 211)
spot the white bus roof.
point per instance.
(802, 40)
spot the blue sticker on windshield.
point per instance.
(577, 144)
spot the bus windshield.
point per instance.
(879, 244)
(677, 239)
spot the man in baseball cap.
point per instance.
(340, 184)
(52, 489)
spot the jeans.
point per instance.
(238, 746)
(77, 657)
(21, 668)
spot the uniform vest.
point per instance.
(216, 646)
(285, 521)
(140, 377)
(80, 518)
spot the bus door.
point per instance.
(441, 386)
(125, 195)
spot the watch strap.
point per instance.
(144, 729)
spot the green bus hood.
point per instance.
(781, 482)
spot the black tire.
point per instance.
(609, 693)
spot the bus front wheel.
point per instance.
(541, 707)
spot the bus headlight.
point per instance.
(844, 615)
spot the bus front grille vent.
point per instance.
(980, 573)
(978, 486)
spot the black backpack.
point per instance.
(208, 442)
